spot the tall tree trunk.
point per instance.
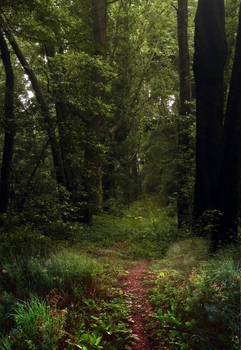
(231, 167)
(9, 126)
(100, 24)
(183, 199)
(49, 125)
(61, 115)
(209, 60)
(94, 186)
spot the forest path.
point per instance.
(139, 304)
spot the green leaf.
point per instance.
(98, 341)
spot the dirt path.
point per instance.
(139, 304)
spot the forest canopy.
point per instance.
(104, 102)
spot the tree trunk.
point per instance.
(99, 25)
(49, 125)
(9, 126)
(209, 60)
(29, 182)
(184, 165)
(231, 167)
(61, 116)
(94, 186)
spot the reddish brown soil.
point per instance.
(139, 304)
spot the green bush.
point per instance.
(199, 309)
(103, 325)
(24, 241)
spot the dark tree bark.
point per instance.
(9, 126)
(94, 185)
(184, 59)
(231, 167)
(29, 182)
(209, 60)
(62, 120)
(99, 24)
(49, 125)
(183, 199)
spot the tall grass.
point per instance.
(56, 302)
(63, 270)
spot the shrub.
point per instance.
(25, 241)
(199, 309)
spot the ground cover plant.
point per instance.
(64, 289)
(61, 301)
(143, 230)
(196, 299)
(59, 292)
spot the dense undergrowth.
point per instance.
(64, 301)
(196, 299)
(59, 284)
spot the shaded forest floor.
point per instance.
(139, 305)
(129, 282)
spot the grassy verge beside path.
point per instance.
(196, 299)
(66, 301)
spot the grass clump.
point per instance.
(23, 276)
(59, 301)
(37, 326)
(196, 307)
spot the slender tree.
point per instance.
(93, 182)
(49, 124)
(8, 124)
(183, 200)
(61, 117)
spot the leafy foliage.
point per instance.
(59, 300)
(197, 305)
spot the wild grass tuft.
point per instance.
(64, 270)
(70, 288)
(36, 326)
